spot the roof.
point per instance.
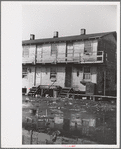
(67, 38)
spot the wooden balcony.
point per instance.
(28, 60)
(95, 57)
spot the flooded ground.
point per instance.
(94, 121)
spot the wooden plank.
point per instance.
(92, 95)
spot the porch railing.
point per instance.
(94, 57)
(76, 57)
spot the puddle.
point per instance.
(97, 127)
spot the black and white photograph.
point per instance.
(69, 74)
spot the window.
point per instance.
(77, 73)
(87, 47)
(53, 74)
(87, 74)
(24, 72)
(26, 51)
(53, 49)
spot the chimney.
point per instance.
(55, 34)
(83, 31)
(32, 36)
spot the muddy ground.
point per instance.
(94, 121)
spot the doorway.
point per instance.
(68, 75)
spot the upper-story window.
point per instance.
(69, 49)
(87, 73)
(53, 74)
(88, 47)
(25, 51)
(54, 49)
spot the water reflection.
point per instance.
(100, 128)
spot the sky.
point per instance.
(68, 19)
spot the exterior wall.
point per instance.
(74, 52)
(45, 75)
(31, 56)
(46, 52)
(76, 79)
(61, 51)
(108, 45)
(39, 53)
(78, 48)
(100, 79)
(28, 81)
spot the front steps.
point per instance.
(64, 92)
(34, 90)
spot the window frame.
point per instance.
(88, 46)
(24, 73)
(52, 49)
(87, 72)
(53, 74)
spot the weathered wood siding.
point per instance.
(28, 81)
(77, 78)
(38, 76)
(78, 48)
(61, 51)
(30, 57)
(32, 51)
(45, 76)
(39, 53)
(108, 45)
(46, 53)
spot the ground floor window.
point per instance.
(53, 74)
(24, 72)
(87, 73)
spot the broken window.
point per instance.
(87, 73)
(53, 74)
(88, 47)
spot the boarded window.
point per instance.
(26, 51)
(87, 73)
(54, 49)
(87, 47)
(53, 74)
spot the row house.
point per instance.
(72, 61)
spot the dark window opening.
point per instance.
(87, 47)
(77, 73)
(53, 74)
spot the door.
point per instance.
(38, 76)
(68, 74)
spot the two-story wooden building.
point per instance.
(71, 61)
